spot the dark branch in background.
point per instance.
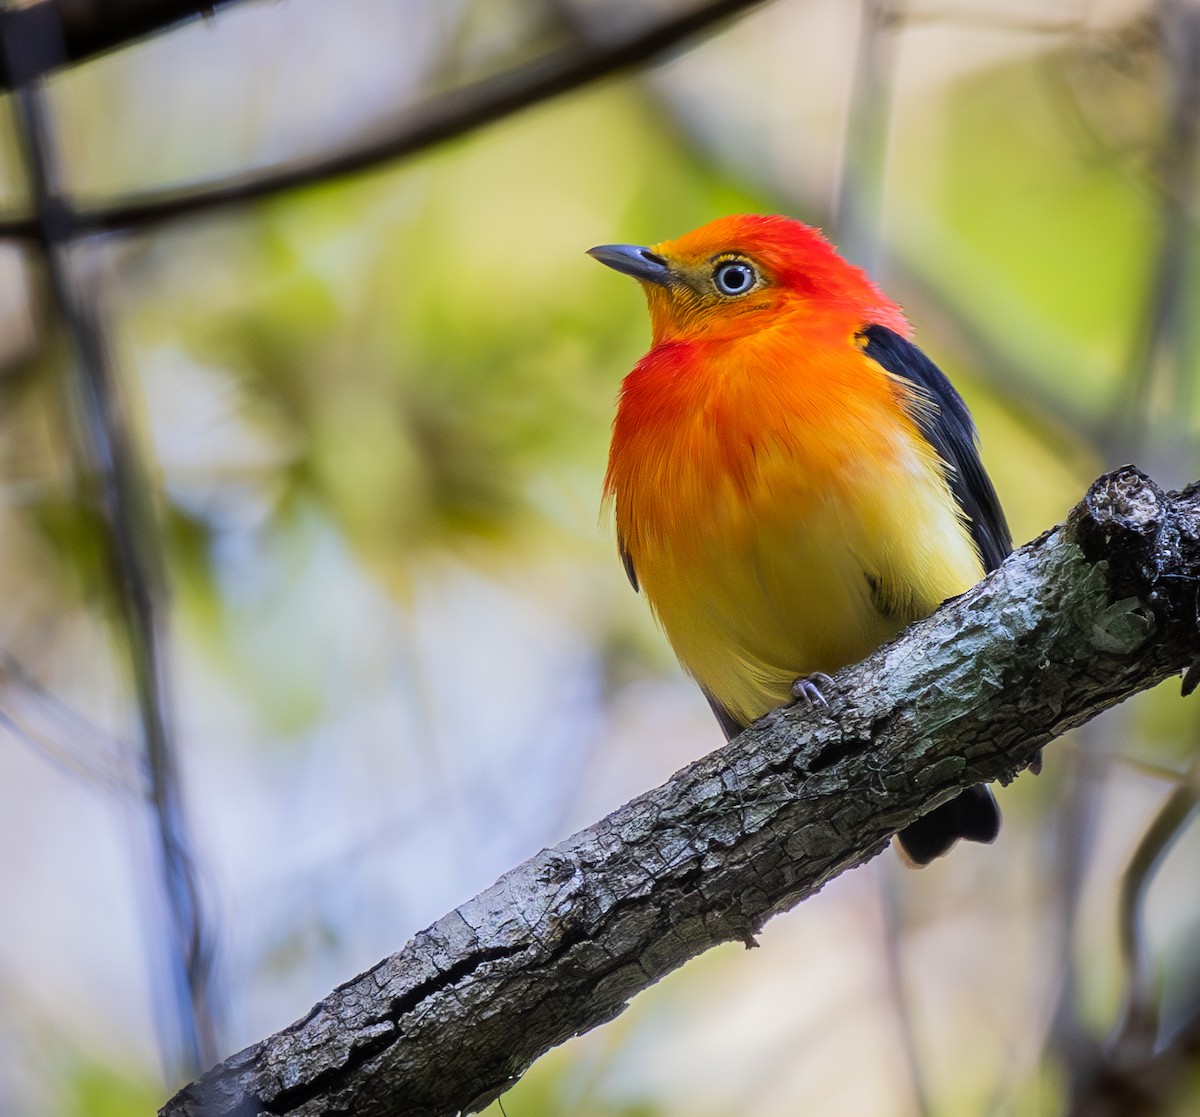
(39, 718)
(1136, 1034)
(114, 481)
(1089, 614)
(1146, 1086)
(463, 110)
(91, 27)
(443, 118)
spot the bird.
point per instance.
(793, 480)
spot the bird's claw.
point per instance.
(807, 689)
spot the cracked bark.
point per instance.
(1099, 608)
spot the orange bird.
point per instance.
(794, 480)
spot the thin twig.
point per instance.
(121, 491)
(443, 118)
(1146, 1087)
(1137, 1028)
(92, 27)
(40, 719)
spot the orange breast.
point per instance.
(760, 487)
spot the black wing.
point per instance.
(627, 562)
(948, 427)
(730, 725)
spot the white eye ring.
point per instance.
(734, 278)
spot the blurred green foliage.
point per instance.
(100, 1090)
(1068, 232)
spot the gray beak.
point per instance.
(633, 259)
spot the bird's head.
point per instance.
(738, 275)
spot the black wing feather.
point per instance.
(627, 562)
(948, 427)
(730, 725)
(946, 424)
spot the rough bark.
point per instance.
(1094, 611)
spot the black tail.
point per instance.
(972, 815)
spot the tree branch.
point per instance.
(1094, 611)
(87, 28)
(1144, 1084)
(112, 480)
(442, 118)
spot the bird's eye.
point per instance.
(734, 278)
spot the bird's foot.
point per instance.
(807, 689)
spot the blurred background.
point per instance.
(312, 624)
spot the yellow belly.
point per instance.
(774, 574)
